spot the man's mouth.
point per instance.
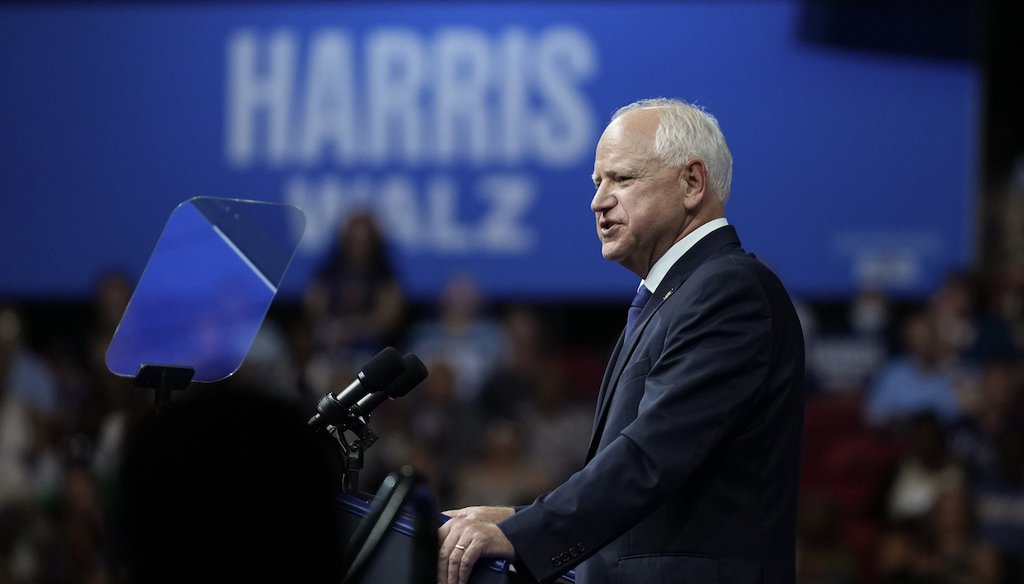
(605, 226)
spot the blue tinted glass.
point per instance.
(207, 287)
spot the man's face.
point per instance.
(639, 201)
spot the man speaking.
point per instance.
(693, 465)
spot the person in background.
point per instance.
(953, 310)
(925, 471)
(822, 556)
(355, 304)
(503, 473)
(999, 498)
(943, 549)
(28, 396)
(553, 418)
(508, 391)
(442, 430)
(843, 362)
(918, 381)
(999, 409)
(471, 341)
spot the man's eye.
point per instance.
(623, 178)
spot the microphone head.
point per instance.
(415, 372)
(382, 370)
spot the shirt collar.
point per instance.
(668, 259)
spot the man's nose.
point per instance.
(603, 200)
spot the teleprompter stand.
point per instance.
(163, 379)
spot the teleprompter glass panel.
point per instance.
(207, 287)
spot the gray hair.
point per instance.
(686, 131)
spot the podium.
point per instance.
(393, 563)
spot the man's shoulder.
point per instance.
(732, 265)
(735, 277)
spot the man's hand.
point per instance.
(469, 535)
(485, 514)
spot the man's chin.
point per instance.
(611, 253)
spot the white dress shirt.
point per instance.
(668, 259)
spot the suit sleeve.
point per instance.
(714, 360)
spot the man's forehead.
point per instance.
(632, 132)
(641, 124)
(619, 161)
(616, 151)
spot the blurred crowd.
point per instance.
(914, 443)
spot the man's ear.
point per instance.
(693, 180)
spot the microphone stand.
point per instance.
(348, 424)
(352, 437)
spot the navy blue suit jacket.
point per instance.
(693, 469)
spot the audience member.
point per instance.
(443, 431)
(109, 300)
(846, 360)
(72, 546)
(552, 418)
(822, 555)
(997, 332)
(952, 306)
(461, 335)
(110, 399)
(999, 409)
(1005, 300)
(268, 366)
(999, 496)
(508, 391)
(356, 304)
(917, 381)
(28, 463)
(503, 474)
(926, 470)
(944, 549)
(313, 370)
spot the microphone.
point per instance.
(415, 372)
(378, 374)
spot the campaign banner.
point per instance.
(469, 131)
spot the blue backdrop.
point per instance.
(469, 129)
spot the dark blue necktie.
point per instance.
(636, 307)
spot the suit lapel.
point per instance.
(624, 350)
(606, 382)
(710, 245)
